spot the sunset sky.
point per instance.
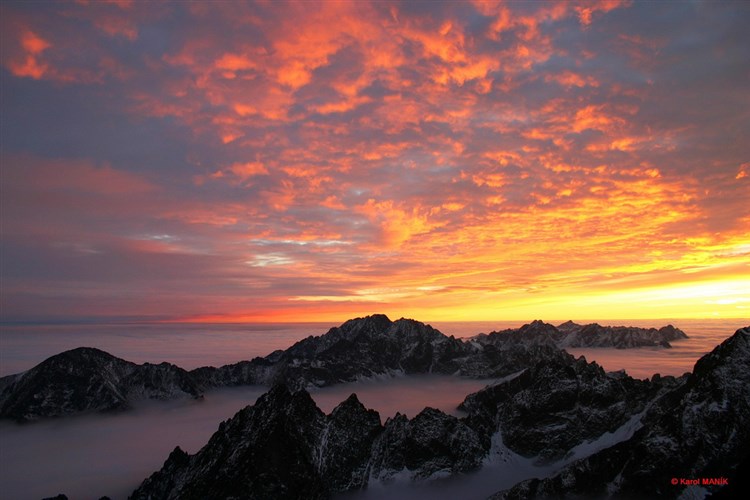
(269, 161)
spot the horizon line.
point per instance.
(236, 321)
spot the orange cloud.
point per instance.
(592, 117)
(587, 11)
(397, 225)
(570, 79)
(30, 64)
(247, 170)
(743, 171)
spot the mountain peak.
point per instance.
(373, 320)
(735, 348)
(89, 379)
(539, 326)
(351, 401)
(569, 326)
(369, 325)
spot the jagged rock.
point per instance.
(88, 379)
(346, 443)
(349, 448)
(619, 337)
(430, 444)
(699, 429)
(282, 447)
(557, 404)
(258, 371)
(370, 346)
(533, 334)
(549, 406)
(166, 480)
(570, 334)
(285, 447)
(265, 451)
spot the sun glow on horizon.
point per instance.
(727, 299)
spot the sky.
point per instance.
(317, 161)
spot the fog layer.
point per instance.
(91, 456)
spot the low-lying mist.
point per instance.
(406, 394)
(110, 454)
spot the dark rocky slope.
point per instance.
(557, 404)
(700, 429)
(87, 379)
(269, 450)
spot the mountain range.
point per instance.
(88, 379)
(585, 432)
(605, 435)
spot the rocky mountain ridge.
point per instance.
(87, 379)
(285, 447)
(375, 345)
(570, 334)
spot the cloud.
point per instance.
(460, 153)
(29, 62)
